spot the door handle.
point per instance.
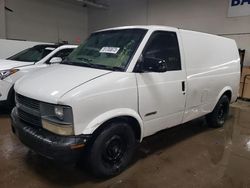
(183, 86)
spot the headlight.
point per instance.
(57, 118)
(59, 112)
(5, 73)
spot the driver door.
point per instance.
(162, 95)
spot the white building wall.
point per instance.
(45, 20)
(200, 15)
(2, 19)
(120, 12)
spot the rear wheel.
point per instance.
(219, 115)
(112, 150)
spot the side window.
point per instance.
(62, 53)
(164, 45)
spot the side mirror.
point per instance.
(55, 60)
(151, 64)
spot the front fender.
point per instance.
(98, 121)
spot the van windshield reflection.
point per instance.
(109, 50)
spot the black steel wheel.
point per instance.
(112, 150)
(219, 115)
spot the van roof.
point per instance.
(139, 27)
(158, 27)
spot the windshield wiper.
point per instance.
(84, 59)
(83, 64)
(66, 62)
(91, 65)
(107, 67)
(117, 69)
(78, 63)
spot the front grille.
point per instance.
(29, 118)
(28, 102)
(28, 110)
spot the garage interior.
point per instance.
(188, 155)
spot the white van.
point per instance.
(121, 86)
(14, 67)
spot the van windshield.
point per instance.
(111, 50)
(33, 54)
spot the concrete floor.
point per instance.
(189, 155)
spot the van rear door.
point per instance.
(162, 95)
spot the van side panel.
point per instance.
(213, 67)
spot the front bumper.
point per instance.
(45, 143)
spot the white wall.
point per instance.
(120, 12)
(2, 19)
(46, 20)
(11, 47)
(200, 15)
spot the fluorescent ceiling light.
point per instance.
(93, 4)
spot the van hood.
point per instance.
(50, 84)
(6, 64)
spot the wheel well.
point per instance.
(133, 123)
(228, 93)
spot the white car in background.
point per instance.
(14, 67)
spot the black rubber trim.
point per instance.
(8, 101)
(47, 144)
(3, 103)
(151, 113)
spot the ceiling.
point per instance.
(89, 3)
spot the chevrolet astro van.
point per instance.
(120, 86)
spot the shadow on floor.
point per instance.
(171, 136)
(4, 113)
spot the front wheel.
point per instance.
(219, 115)
(112, 150)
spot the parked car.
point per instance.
(120, 86)
(14, 67)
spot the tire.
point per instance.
(112, 150)
(219, 115)
(11, 100)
